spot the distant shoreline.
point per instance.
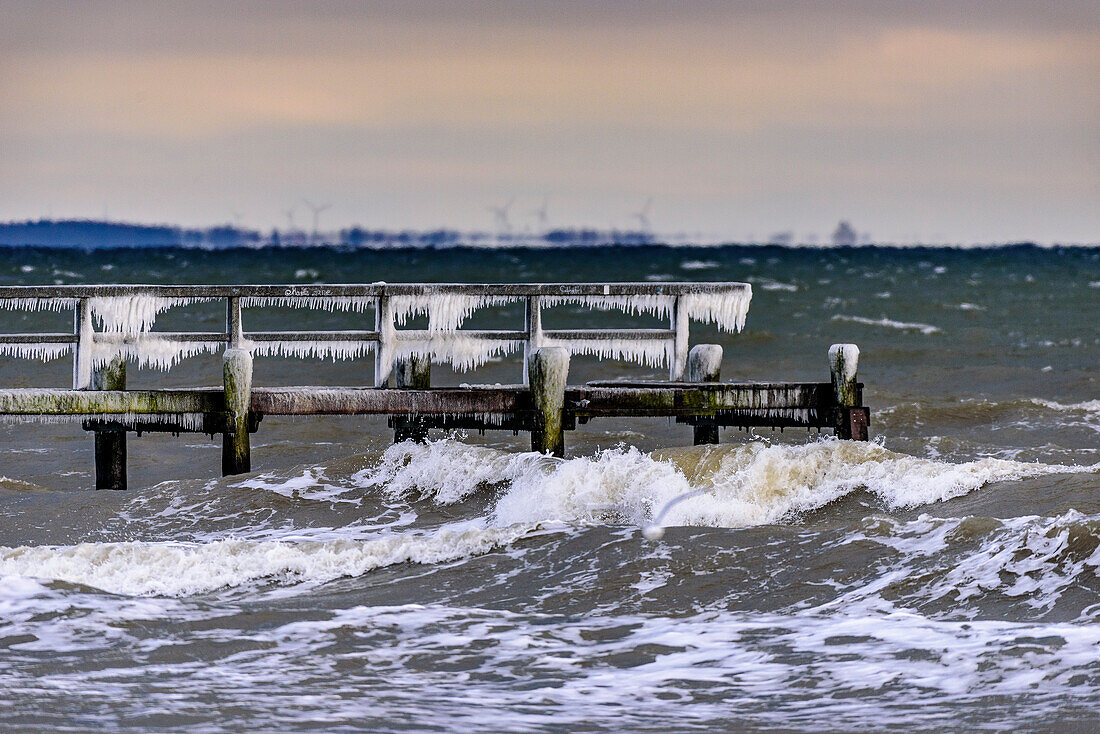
(81, 234)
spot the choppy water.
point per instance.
(943, 577)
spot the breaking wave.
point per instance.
(746, 484)
(736, 485)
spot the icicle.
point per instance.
(186, 421)
(133, 314)
(650, 352)
(322, 303)
(649, 304)
(38, 304)
(331, 350)
(148, 350)
(43, 352)
(728, 310)
(446, 311)
(455, 348)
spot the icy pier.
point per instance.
(113, 326)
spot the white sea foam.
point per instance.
(1031, 559)
(746, 484)
(739, 485)
(174, 569)
(1091, 407)
(699, 264)
(889, 323)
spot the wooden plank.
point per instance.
(40, 401)
(389, 401)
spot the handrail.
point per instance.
(369, 289)
(128, 320)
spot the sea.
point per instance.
(941, 577)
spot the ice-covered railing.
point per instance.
(116, 321)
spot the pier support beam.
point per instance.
(704, 364)
(415, 372)
(237, 379)
(851, 416)
(110, 445)
(548, 370)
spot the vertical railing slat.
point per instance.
(82, 351)
(680, 325)
(383, 350)
(234, 331)
(532, 324)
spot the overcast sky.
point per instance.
(952, 121)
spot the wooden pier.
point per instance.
(543, 404)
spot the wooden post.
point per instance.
(532, 324)
(414, 372)
(680, 325)
(82, 352)
(233, 328)
(704, 364)
(237, 379)
(110, 445)
(548, 368)
(851, 416)
(383, 349)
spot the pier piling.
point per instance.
(413, 372)
(237, 379)
(704, 364)
(851, 418)
(110, 444)
(548, 369)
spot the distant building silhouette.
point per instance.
(844, 236)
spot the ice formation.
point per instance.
(455, 348)
(657, 305)
(727, 310)
(322, 303)
(650, 352)
(186, 421)
(147, 350)
(38, 304)
(331, 350)
(446, 311)
(133, 314)
(126, 321)
(41, 351)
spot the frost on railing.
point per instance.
(133, 314)
(445, 311)
(125, 316)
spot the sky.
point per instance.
(952, 121)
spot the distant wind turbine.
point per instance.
(316, 209)
(643, 215)
(500, 216)
(289, 219)
(540, 214)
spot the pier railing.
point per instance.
(543, 403)
(127, 312)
